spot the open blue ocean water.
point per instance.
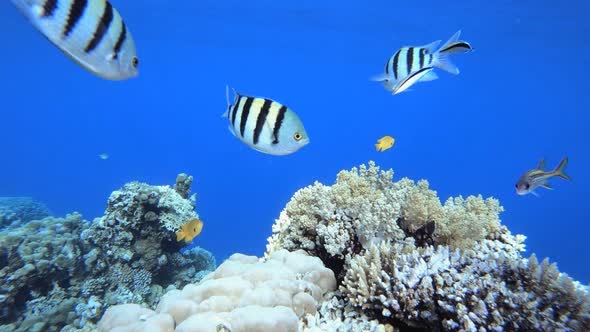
(521, 96)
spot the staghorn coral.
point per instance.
(243, 294)
(490, 287)
(72, 269)
(364, 207)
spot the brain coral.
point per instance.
(244, 294)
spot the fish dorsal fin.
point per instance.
(541, 164)
(227, 95)
(229, 104)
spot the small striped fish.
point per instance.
(538, 177)
(265, 125)
(412, 64)
(90, 32)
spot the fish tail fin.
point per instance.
(454, 38)
(560, 170)
(442, 60)
(179, 236)
(456, 46)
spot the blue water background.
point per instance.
(521, 96)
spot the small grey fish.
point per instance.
(537, 177)
(412, 64)
(90, 32)
(265, 125)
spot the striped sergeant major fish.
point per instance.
(412, 64)
(265, 125)
(90, 32)
(538, 177)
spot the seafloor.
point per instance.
(364, 254)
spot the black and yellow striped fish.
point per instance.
(265, 125)
(412, 64)
(90, 32)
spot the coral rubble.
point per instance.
(61, 273)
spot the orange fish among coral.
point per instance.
(190, 230)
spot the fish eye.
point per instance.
(527, 186)
(135, 62)
(297, 136)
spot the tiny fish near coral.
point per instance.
(189, 231)
(384, 143)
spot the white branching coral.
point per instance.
(405, 260)
(490, 287)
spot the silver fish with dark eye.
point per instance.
(537, 177)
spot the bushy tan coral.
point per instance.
(365, 207)
(468, 220)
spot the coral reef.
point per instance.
(489, 287)
(405, 261)
(71, 270)
(16, 210)
(365, 207)
(244, 294)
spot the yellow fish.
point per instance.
(384, 143)
(189, 231)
